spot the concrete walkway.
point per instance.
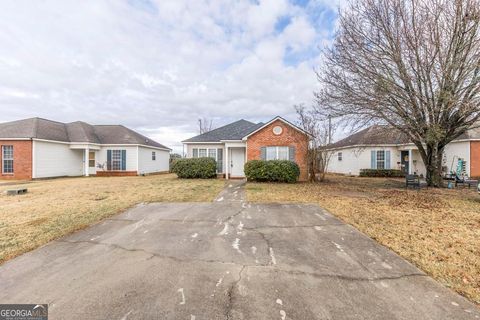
(225, 260)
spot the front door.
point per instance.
(237, 162)
(405, 162)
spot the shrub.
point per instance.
(389, 173)
(195, 168)
(272, 171)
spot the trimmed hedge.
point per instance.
(272, 171)
(389, 173)
(195, 168)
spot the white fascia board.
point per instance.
(364, 146)
(207, 142)
(16, 139)
(133, 145)
(100, 145)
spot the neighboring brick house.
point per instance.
(235, 143)
(383, 147)
(41, 148)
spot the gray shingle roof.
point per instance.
(233, 131)
(73, 132)
(386, 135)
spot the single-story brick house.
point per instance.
(40, 148)
(383, 147)
(235, 143)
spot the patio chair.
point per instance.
(412, 180)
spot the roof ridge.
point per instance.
(35, 127)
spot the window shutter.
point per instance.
(291, 154)
(195, 153)
(387, 159)
(124, 160)
(109, 160)
(373, 163)
(263, 153)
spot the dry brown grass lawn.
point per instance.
(54, 208)
(437, 230)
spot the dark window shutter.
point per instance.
(291, 154)
(195, 153)
(109, 159)
(373, 159)
(124, 160)
(263, 153)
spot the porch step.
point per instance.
(14, 192)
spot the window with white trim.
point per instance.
(215, 153)
(202, 153)
(277, 153)
(7, 159)
(340, 156)
(154, 156)
(116, 159)
(381, 159)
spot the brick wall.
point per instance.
(115, 173)
(22, 160)
(289, 137)
(475, 159)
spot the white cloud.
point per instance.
(154, 66)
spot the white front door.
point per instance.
(237, 162)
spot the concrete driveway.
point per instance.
(225, 260)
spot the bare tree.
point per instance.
(205, 125)
(414, 64)
(320, 129)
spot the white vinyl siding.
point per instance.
(131, 157)
(147, 165)
(57, 160)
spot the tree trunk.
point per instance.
(312, 166)
(433, 164)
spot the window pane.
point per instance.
(202, 153)
(7, 153)
(116, 160)
(212, 153)
(154, 156)
(271, 153)
(339, 156)
(381, 159)
(7, 166)
(283, 153)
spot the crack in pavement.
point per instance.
(167, 220)
(230, 293)
(245, 266)
(292, 227)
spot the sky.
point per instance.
(157, 66)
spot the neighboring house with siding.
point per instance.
(40, 148)
(235, 143)
(382, 147)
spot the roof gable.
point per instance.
(277, 118)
